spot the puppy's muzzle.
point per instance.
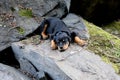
(64, 47)
(61, 49)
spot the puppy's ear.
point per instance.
(68, 33)
(73, 34)
(69, 37)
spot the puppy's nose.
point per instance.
(61, 47)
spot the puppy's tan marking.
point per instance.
(65, 46)
(79, 41)
(43, 32)
(53, 45)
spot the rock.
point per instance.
(68, 2)
(75, 22)
(9, 73)
(17, 26)
(9, 35)
(28, 67)
(56, 8)
(73, 64)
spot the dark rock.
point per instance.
(7, 57)
(9, 73)
(97, 11)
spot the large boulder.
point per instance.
(37, 58)
(9, 73)
(73, 64)
(75, 22)
(19, 18)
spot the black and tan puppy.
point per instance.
(59, 34)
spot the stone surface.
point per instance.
(75, 22)
(9, 73)
(56, 8)
(73, 64)
(13, 26)
(68, 3)
(12, 34)
(28, 67)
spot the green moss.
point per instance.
(103, 40)
(26, 12)
(113, 28)
(107, 60)
(103, 43)
(21, 30)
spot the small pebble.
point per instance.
(0, 25)
(4, 26)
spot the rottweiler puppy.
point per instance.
(58, 33)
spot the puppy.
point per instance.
(58, 33)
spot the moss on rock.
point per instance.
(104, 44)
(21, 30)
(113, 28)
(26, 12)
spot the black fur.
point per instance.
(57, 31)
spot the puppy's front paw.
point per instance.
(44, 36)
(83, 43)
(53, 45)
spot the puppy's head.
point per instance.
(62, 40)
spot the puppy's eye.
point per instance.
(63, 40)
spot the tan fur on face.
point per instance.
(66, 46)
(43, 32)
(79, 41)
(53, 45)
